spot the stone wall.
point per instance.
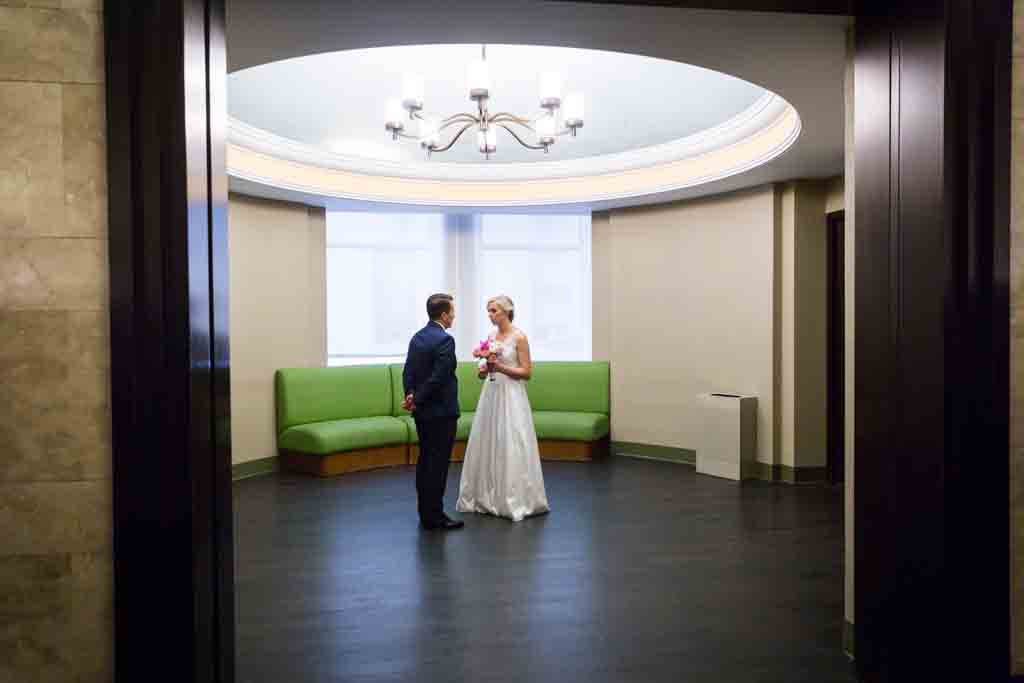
(56, 593)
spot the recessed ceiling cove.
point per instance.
(326, 124)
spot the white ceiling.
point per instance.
(802, 58)
(631, 101)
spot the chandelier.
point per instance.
(440, 135)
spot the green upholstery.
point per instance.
(306, 395)
(461, 429)
(336, 436)
(570, 386)
(323, 411)
(570, 426)
(397, 390)
(465, 424)
(469, 388)
(559, 426)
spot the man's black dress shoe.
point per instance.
(446, 524)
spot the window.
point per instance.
(382, 267)
(543, 264)
(380, 270)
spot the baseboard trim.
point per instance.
(848, 639)
(687, 456)
(791, 475)
(255, 468)
(628, 449)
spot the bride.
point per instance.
(501, 472)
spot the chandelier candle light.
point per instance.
(546, 128)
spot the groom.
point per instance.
(432, 395)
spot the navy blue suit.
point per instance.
(429, 375)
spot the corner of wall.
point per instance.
(318, 274)
(602, 275)
(777, 192)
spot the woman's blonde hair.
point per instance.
(505, 304)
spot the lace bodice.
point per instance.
(509, 352)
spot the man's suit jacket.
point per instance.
(429, 373)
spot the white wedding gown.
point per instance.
(501, 472)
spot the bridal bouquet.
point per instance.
(483, 350)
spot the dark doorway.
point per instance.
(835, 224)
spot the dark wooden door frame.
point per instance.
(166, 122)
(169, 336)
(931, 511)
(836, 391)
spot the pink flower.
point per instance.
(482, 349)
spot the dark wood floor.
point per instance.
(644, 571)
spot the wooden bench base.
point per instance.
(577, 451)
(343, 463)
(391, 456)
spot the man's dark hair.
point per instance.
(438, 304)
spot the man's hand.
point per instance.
(408, 403)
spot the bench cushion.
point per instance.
(570, 426)
(336, 436)
(461, 429)
(306, 395)
(470, 387)
(570, 387)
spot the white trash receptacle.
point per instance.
(728, 444)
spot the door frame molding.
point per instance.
(170, 397)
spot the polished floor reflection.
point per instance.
(643, 571)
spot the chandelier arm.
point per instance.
(519, 139)
(469, 121)
(502, 117)
(465, 116)
(455, 139)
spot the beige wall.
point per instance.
(835, 194)
(56, 569)
(726, 293)
(1017, 343)
(277, 259)
(849, 252)
(602, 275)
(683, 305)
(803, 316)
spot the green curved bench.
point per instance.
(336, 420)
